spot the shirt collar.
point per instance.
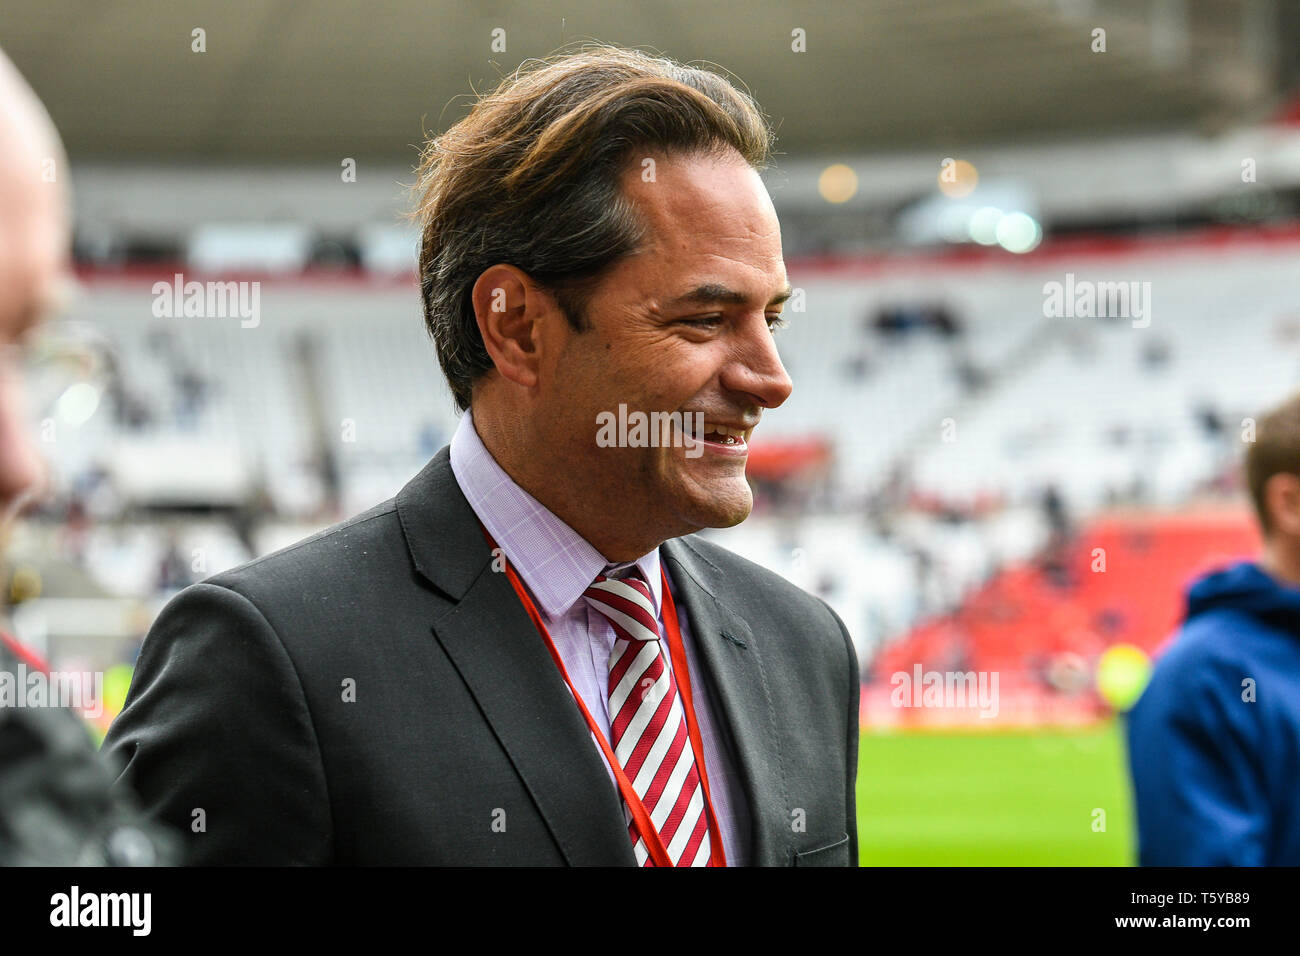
(555, 562)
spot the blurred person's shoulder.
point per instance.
(1236, 616)
(1202, 651)
(1241, 631)
(58, 806)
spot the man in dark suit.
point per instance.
(526, 656)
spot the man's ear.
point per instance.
(508, 306)
(1282, 496)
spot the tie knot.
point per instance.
(627, 603)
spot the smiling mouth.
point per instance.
(727, 436)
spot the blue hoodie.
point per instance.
(1216, 775)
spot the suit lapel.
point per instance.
(729, 654)
(507, 668)
(502, 659)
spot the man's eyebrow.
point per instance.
(712, 292)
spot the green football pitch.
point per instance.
(1001, 798)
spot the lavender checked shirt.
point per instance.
(557, 565)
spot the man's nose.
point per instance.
(757, 369)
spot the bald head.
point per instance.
(34, 247)
(34, 236)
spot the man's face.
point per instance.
(683, 325)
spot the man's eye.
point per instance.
(774, 322)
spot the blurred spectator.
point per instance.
(56, 805)
(1212, 739)
(173, 569)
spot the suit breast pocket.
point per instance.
(833, 854)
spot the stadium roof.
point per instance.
(284, 80)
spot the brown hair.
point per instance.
(531, 178)
(1276, 450)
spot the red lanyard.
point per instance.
(640, 816)
(24, 653)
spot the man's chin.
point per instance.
(721, 510)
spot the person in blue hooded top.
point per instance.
(1214, 740)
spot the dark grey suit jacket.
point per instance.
(376, 694)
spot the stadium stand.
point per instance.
(237, 437)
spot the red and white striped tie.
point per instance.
(647, 725)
